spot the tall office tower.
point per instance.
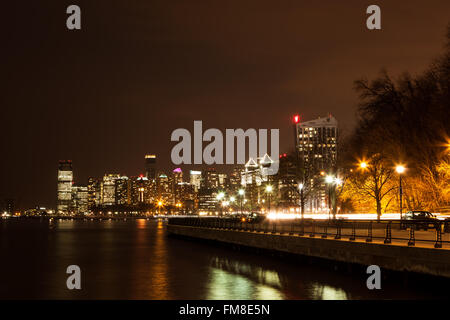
(186, 198)
(94, 193)
(9, 206)
(80, 197)
(122, 191)
(256, 171)
(235, 177)
(286, 181)
(176, 181)
(65, 180)
(222, 180)
(316, 144)
(140, 191)
(207, 201)
(177, 175)
(163, 189)
(150, 167)
(109, 189)
(195, 179)
(210, 179)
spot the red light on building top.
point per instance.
(141, 175)
(296, 118)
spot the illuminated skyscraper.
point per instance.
(65, 180)
(195, 179)
(80, 197)
(150, 166)
(94, 193)
(177, 180)
(122, 191)
(109, 189)
(164, 190)
(140, 190)
(223, 180)
(316, 142)
(210, 179)
(316, 146)
(235, 177)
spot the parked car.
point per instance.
(252, 217)
(418, 219)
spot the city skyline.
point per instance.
(211, 158)
(104, 101)
(197, 192)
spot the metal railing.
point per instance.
(384, 231)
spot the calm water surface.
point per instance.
(135, 259)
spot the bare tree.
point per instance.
(373, 180)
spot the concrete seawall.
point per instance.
(429, 261)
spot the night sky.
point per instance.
(108, 94)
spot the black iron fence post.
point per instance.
(302, 228)
(388, 236)
(312, 234)
(369, 232)
(325, 233)
(412, 240)
(438, 243)
(338, 231)
(353, 236)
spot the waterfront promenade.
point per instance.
(363, 243)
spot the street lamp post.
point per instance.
(329, 180)
(232, 199)
(269, 191)
(219, 197)
(302, 205)
(400, 169)
(241, 194)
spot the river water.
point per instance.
(136, 259)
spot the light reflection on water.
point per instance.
(325, 292)
(135, 259)
(224, 285)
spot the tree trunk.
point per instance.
(378, 209)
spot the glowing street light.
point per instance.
(232, 199)
(363, 165)
(159, 204)
(220, 195)
(329, 179)
(400, 170)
